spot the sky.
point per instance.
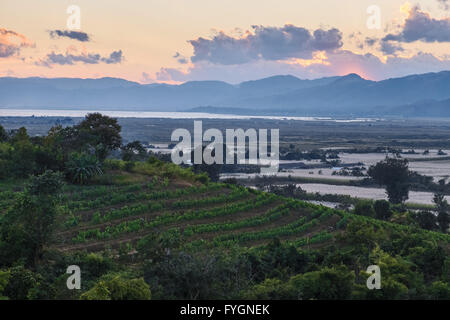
(174, 41)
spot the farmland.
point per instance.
(117, 218)
(157, 230)
(112, 216)
(102, 216)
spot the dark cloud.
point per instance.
(267, 43)
(327, 40)
(421, 26)
(370, 41)
(180, 58)
(114, 57)
(85, 58)
(389, 48)
(7, 50)
(11, 42)
(76, 35)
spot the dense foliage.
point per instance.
(141, 228)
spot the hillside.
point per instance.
(105, 215)
(138, 227)
(123, 207)
(126, 217)
(427, 108)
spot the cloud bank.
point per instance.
(11, 42)
(85, 58)
(420, 26)
(265, 43)
(75, 35)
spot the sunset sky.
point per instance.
(175, 41)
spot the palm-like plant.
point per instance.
(82, 167)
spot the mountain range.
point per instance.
(415, 95)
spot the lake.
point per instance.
(167, 115)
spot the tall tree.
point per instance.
(393, 173)
(28, 226)
(133, 150)
(102, 132)
(443, 209)
(3, 134)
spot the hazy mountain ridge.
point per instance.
(284, 94)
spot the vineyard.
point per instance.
(216, 214)
(99, 216)
(145, 216)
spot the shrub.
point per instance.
(82, 167)
(364, 208)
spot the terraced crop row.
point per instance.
(164, 219)
(320, 237)
(75, 195)
(436, 236)
(300, 226)
(128, 211)
(270, 216)
(122, 197)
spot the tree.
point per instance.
(4, 278)
(382, 209)
(426, 220)
(269, 289)
(28, 226)
(3, 134)
(363, 236)
(398, 278)
(102, 132)
(20, 282)
(20, 134)
(439, 290)
(117, 287)
(430, 259)
(132, 150)
(393, 173)
(364, 208)
(327, 283)
(443, 220)
(443, 209)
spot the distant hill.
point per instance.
(428, 108)
(284, 94)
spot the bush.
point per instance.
(364, 208)
(82, 167)
(269, 289)
(129, 165)
(118, 287)
(327, 283)
(439, 290)
(382, 209)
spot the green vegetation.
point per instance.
(142, 228)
